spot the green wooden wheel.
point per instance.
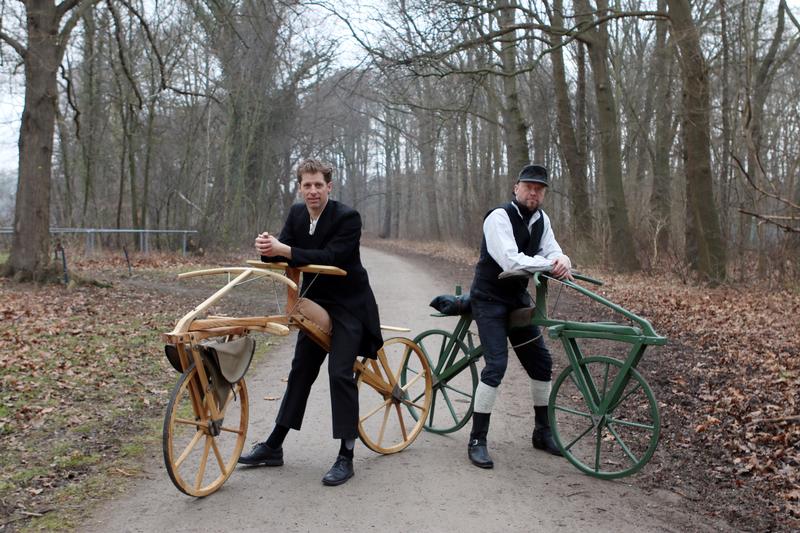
(605, 443)
(452, 403)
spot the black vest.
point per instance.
(485, 284)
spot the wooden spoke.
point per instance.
(220, 461)
(231, 430)
(412, 404)
(403, 362)
(414, 380)
(189, 448)
(375, 381)
(203, 460)
(387, 368)
(402, 422)
(187, 422)
(381, 406)
(383, 425)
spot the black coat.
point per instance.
(335, 242)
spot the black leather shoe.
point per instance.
(262, 455)
(542, 439)
(479, 454)
(341, 471)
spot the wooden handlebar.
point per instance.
(239, 270)
(314, 269)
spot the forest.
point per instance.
(669, 127)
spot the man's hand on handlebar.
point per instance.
(561, 268)
(268, 245)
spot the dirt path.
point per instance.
(431, 486)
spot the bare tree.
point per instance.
(705, 247)
(48, 29)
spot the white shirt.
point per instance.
(502, 246)
(312, 226)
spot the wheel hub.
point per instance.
(398, 394)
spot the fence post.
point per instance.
(184, 244)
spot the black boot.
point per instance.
(477, 450)
(542, 438)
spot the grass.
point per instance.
(83, 388)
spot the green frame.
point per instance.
(601, 402)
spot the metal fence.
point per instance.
(91, 235)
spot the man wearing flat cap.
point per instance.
(516, 236)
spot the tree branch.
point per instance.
(72, 21)
(162, 70)
(121, 52)
(759, 189)
(771, 220)
(13, 43)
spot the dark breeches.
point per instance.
(492, 321)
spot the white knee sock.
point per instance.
(540, 392)
(485, 396)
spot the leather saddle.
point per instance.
(314, 320)
(225, 362)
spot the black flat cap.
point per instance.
(534, 173)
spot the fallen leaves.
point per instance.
(732, 374)
(81, 370)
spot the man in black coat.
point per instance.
(324, 232)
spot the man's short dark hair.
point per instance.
(312, 166)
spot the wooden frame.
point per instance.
(192, 392)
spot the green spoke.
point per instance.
(448, 386)
(433, 408)
(579, 437)
(450, 406)
(628, 423)
(622, 445)
(442, 358)
(597, 447)
(628, 394)
(572, 411)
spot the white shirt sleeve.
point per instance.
(502, 246)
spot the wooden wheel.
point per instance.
(201, 453)
(398, 381)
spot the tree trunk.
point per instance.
(580, 212)
(705, 247)
(661, 197)
(517, 151)
(30, 245)
(623, 251)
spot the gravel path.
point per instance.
(431, 486)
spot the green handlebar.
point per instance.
(645, 326)
(583, 277)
